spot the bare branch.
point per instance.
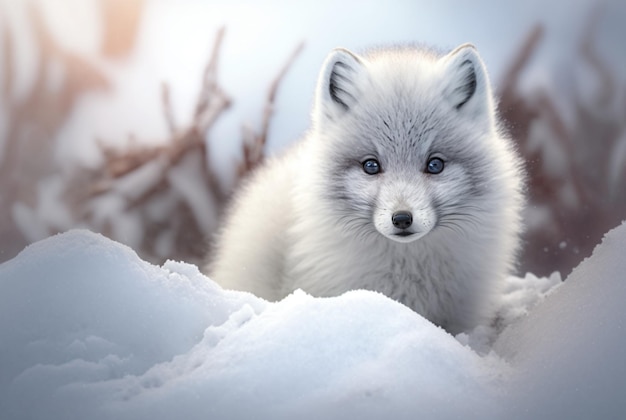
(7, 59)
(211, 91)
(271, 97)
(253, 143)
(605, 93)
(167, 108)
(520, 62)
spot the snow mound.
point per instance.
(89, 330)
(569, 352)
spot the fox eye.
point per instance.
(434, 166)
(371, 166)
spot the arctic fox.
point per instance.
(405, 185)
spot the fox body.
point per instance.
(405, 185)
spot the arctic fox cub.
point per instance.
(404, 185)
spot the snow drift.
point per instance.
(88, 330)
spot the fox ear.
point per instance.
(467, 85)
(338, 87)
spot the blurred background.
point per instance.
(138, 118)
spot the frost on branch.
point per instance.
(29, 124)
(162, 200)
(160, 197)
(165, 200)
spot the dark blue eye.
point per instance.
(371, 167)
(434, 166)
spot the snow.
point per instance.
(89, 330)
(569, 351)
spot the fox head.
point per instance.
(408, 141)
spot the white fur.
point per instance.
(313, 219)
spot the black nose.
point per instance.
(402, 219)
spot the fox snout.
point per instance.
(402, 219)
(404, 225)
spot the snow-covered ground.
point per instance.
(88, 330)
